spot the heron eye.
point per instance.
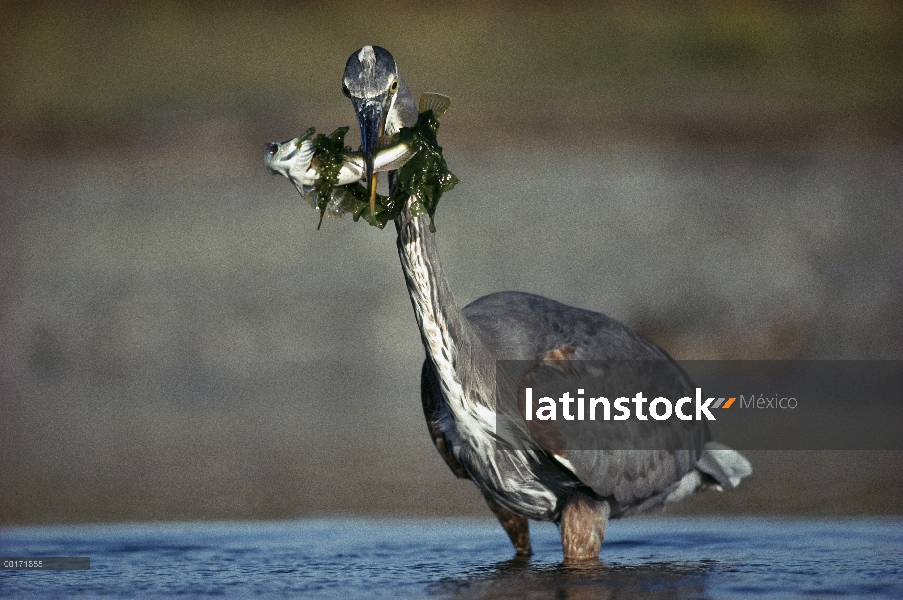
(345, 90)
(393, 87)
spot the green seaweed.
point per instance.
(422, 180)
(425, 177)
(329, 154)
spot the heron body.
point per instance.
(577, 489)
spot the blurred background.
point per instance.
(178, 341)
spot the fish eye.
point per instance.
(393, 87)
(346, 91)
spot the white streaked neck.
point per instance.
(463, 364)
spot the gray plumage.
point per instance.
(579, 489)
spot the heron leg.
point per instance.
(583, 522)
(516, 526)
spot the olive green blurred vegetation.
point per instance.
(178, 341)
(84, 64)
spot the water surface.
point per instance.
(456, 558)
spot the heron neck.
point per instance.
(450, 341)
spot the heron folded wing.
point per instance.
(630, 477)
(631, 461)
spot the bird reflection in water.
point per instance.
(578, 580)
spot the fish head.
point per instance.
(291, 158)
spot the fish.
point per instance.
(295, 159)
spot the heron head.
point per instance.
(372, 83)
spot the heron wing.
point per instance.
(654, 455)
(629, 461)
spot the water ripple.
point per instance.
(461, 559)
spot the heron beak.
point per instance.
(371, 117)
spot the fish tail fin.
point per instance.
(434, 102)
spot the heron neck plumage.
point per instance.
(449, 339)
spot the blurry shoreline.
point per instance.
(486, 130)
(177, 341)
(165, 319)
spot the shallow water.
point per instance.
(453, 558)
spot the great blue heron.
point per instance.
(579, 490)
